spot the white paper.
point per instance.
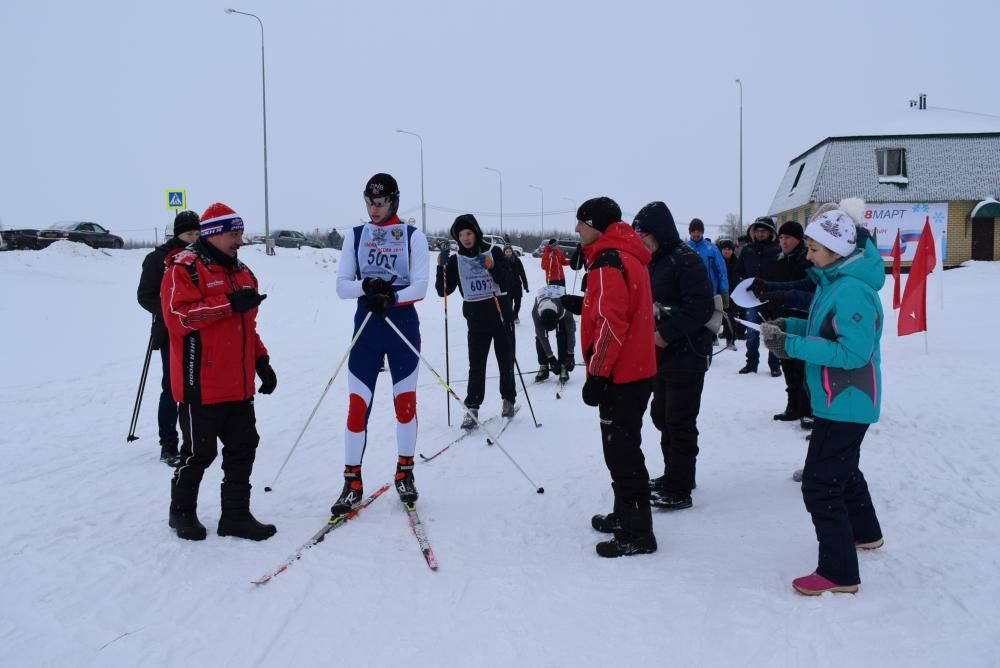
(749, 325)
(742, 295)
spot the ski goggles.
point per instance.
(378, 201)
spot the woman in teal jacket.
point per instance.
(840, 346)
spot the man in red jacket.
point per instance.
(210, 302)
(618, 349)
(553, 261)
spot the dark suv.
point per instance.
(292, 239)
(91, 234)
(20, 239)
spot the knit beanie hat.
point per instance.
(696, 224)
(186, 221)
(219, 218)
(599, 213)
(548, 314)
(835, 230)
(792, 229)
(382, 185)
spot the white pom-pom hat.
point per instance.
(836, 230)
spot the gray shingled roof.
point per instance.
(939, 167)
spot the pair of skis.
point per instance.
(337, 521)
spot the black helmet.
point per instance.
(382, 185)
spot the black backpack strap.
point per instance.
(610, 258)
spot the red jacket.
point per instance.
(616, 328)
(553, 261)
(213, 350)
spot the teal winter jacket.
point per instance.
(840, 341)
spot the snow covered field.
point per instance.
(91, 575)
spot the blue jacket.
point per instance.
(840, 341)
(716, 264)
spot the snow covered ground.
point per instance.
(92, 576)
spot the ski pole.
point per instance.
(539, 490)
(510, 344)
(138, 397)
(447, 357)
(326, 389)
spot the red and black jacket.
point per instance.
(616, 326)
(213, 350)
(553, 261)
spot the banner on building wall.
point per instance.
(884, 219)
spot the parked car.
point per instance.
(88, 233)
(497, 240)
(292, 239)
(20, 239)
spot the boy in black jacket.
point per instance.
(682, 294)
(520, 279)
(484, 279)
(186, 231)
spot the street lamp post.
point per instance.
(740, 84)
(501, 195)
(269, 242)
(423, 204)
(542, 192)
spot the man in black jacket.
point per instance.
(683, 302)
(757, 260)
(186, 230)
(484, 280)
(520, 280)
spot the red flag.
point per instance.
(913, 308)
(896, 255)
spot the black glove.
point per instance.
(773, 303)
(569, 363)
(572, 303)
(758, 287)
(443, 256)
(245, 299)
(376, 286)
(576, 260)
(382, 302)
(268, 379)
(594, 390)
(554, 365)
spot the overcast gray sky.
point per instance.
(106, 104)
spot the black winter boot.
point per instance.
(665, 501)
(606, 523)
(236, 519)
(184, 513)
(627, 544)
(748, 368)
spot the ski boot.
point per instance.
(350, 497)
(627, 544)
(469, 423)
(542, 375)
(564, 376)
(404, 481)
(508, 409)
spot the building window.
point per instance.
(891, 165)
(798, 175)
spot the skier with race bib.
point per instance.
(483, 278)
(384, 265)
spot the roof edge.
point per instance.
(933, 135)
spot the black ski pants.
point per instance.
(166, 413)
(621, 413)
(501, 337)
(836, 495)
(233, 423)
(674, 409)
(795, 386)
(515, 300)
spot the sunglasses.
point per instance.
(378, 201)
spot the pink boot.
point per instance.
(816, 584)
(874, 545)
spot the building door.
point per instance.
(983, 230)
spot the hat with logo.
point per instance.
(599, 213)
(382, 185)
(219, 218)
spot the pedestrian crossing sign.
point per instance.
(176, 199)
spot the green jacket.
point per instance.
(840, 340)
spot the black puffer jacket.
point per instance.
(482, 315)
(680, 281)
(757, 260)
(791, 267)
(148, 294)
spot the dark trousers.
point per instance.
(564, 345)
(233, 423)
(795, 386)
(515, 298)
(675, 407)
(479, 348)
(621, 414)
(557, 281)
(836, 495)
(166, 413)
(753, 343)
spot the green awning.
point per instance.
(988, 208)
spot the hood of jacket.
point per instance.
(656, 219)
(468, 222)
(622, 238)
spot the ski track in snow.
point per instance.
(94, 577)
